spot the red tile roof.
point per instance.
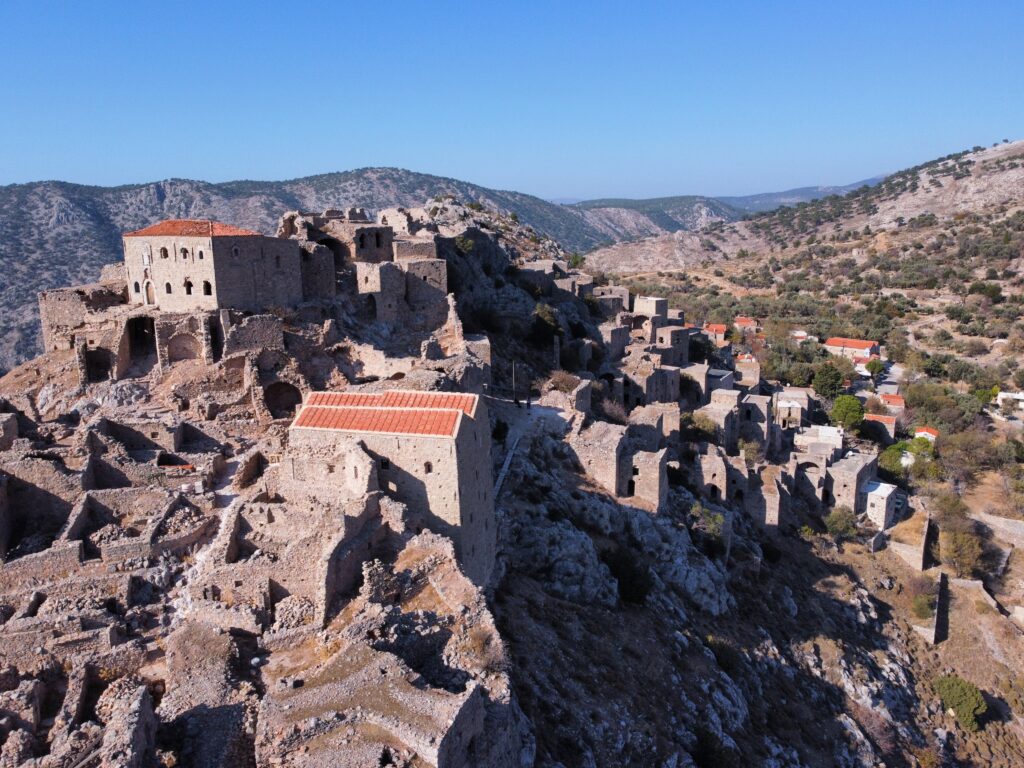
(840, 341)
(459, 401)
(894, 400)
(715, 327)
(402, 421)
(192, 228)
(745, 321)
(891, 420)
(926, 431)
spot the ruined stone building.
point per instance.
(628, 461)
(431, 452)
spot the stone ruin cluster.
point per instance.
(246, 508)
(648, 374)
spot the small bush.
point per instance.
(564, 381)
(841, 523)
(464, 244)
(964, 698)
(923, 606)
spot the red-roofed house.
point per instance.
(894, 403)
(432, 451)
(184, 265)
(745, 324)
(928, 433)
(717, 332)
(851, 348)
(888, 423)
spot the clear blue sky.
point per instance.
(559, 99)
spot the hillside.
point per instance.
(981, 182)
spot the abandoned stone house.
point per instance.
(350, 235)
(673, 342)
(881, 503)
(628, 461)
(431, 452)
(847, 479)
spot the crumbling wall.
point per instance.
(256, 333)
(650, 478)
(8, 430)
(5, 517)
(319, 277)
(183, 337)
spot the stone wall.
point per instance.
(5, 517)
(319, 274)
(256, 333)
(8, 430)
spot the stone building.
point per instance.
(184, 265)
(651, 306)
(432, 452)
(630, 462)
(673, 341)
(847, 479)
(879, 503)
(850, 348)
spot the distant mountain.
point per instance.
(768, 201)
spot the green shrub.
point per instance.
(923, 606)
(464, 244)
(841, 523)
(963, 698)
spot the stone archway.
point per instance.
(150, 293)
(282, 398)
(183, 347)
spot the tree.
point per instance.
(841, 523)
(891, 461)
(875, 367)
(827, 381)
(847, 412)
(964, 698)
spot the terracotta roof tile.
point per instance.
(880, 418)
(459, 401)
(403, 421)
(715, 327)
(192, 228)
(894, 400)
(840, 341)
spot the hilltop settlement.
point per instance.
(415, 489)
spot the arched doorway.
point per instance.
(282, 398)
(150, 293)
(183, 347)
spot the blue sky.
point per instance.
(559, 99)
